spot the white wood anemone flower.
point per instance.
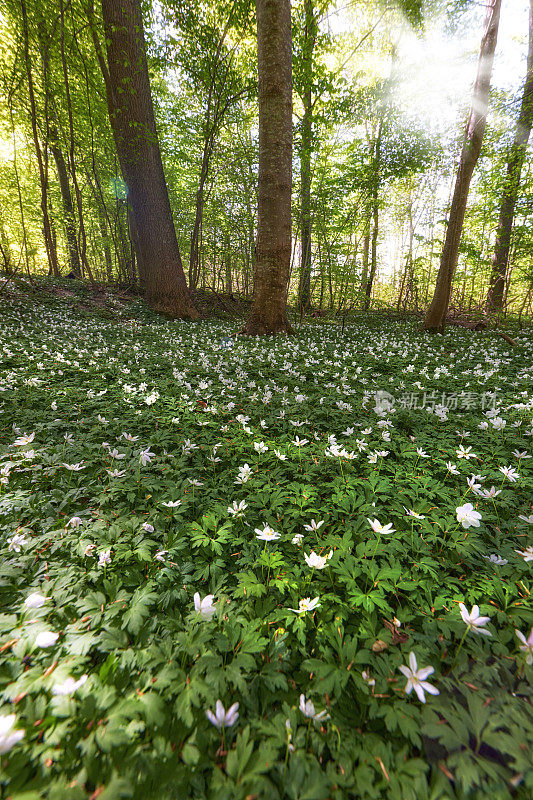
(473, 620)
(8, 738)
(222, 718)
(204, 606)
(307, 708)
(416, 678)
(306, 604)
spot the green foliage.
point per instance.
(123, 565)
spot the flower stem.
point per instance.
(459, 648)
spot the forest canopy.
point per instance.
(380, 99)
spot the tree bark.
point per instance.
(43, 177)
(515, 163)
(366, 253)
(305, 178)
(217, 107)
(374, 210)
(24, 246)
(132, 120)
(373, 251)
(68, 208)
(228, 283)
(102, 223)
(5, 250)
(194, 256)
(435, 319)
(268, 314)
(305, 157)
(72, 161)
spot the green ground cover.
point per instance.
(292, 525)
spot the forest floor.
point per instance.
(111, 301)
(332, 530)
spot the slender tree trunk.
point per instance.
(366, 253)
(102, 222)
(24, 246)
(305, 176)
(403, 279)
(407, 273)
(305, 157)
(68, 208)
(436, 315)
(194, 256)
(268, 314)
(72, 159)
(132, 120)
(215, 112)
(375, 219)
(373, 250)
(515, 163)
(228, 277)
(43, 178)
(525, 302)
(5, 250)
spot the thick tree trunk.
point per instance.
(68, 208)
(268, 314)
(515, 163)
(436, 315)
(132, 120)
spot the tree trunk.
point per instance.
(407, 279)
(366, 253)
(228, 281)
(305, 157)
(132, 120)
(68, 208)
(375, 217)
(102, 222)
(72, 160)
(515, 163)
(24, 246)
(5, 250)
(268, 314)
(373, 250)
(194, 256)
(436, 315)
(43, 178)
(305, 177)
(214, 116)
